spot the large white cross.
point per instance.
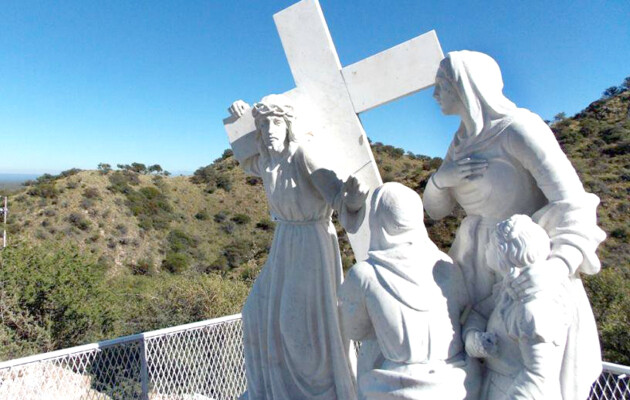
(332, 97)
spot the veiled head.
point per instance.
(396, 217)
(473, 80)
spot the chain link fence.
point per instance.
(197, 361)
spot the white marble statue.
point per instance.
(404, 304)
(531, 331)
(294, 348)
(504, 160)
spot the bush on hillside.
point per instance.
(179, 241)
(167, 300)
(202, 215)
(253, 180)
(151, 207)
(138, 168)
(56, 298)
(220, 216)
(266, 224)
(46, 190)
(104, 168)
(212, 178)
(224, 182)
(120, 181)
(91, 193)
(241, 219)
(237, 252)
(143, 266)
(79, 221)
(176, 263)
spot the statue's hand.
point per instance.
(481, 344)
(355, 193)
(453, 173)
(542, 275)
(238, 108)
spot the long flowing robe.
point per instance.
(293, 343)
(527, 174)
(404, 303)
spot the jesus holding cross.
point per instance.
(294, 347)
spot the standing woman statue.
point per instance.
(504, 160)
(294, 348)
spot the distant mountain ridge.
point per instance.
(17, 177)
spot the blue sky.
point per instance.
(83, 82)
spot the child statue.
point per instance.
(531, 332)
(404, 304)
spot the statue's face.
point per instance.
(274, 133)
(446, 96)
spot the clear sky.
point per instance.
(118, 81)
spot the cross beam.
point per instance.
(331, 97)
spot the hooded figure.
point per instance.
(502, 161)
(404, 304)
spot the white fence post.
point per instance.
(144, 369)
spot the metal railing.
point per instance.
(198, 361)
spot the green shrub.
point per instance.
(220, 216)
(266, 224)
(120, 181)
(205, 175)
(143, 266)
(224, 182)
(202, 215)
(72, 184)
(150, 206)
(176, 263)
(253, 180)
(46, 190)
(241, 219)
(79, 221)
(57, 298)
(166, 300)
(179, 241)
(68, 172)
(220, 264)
(237, 252)
(139, 168)
(91, 193)
(104, 168)
(227, 153)
(228, 228)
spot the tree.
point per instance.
(611, 91)
(139, 168)
(104, 168)
(626, 84)
(155, 168)
(227, 153)
(559, 117)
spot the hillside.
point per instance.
(164, 250)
